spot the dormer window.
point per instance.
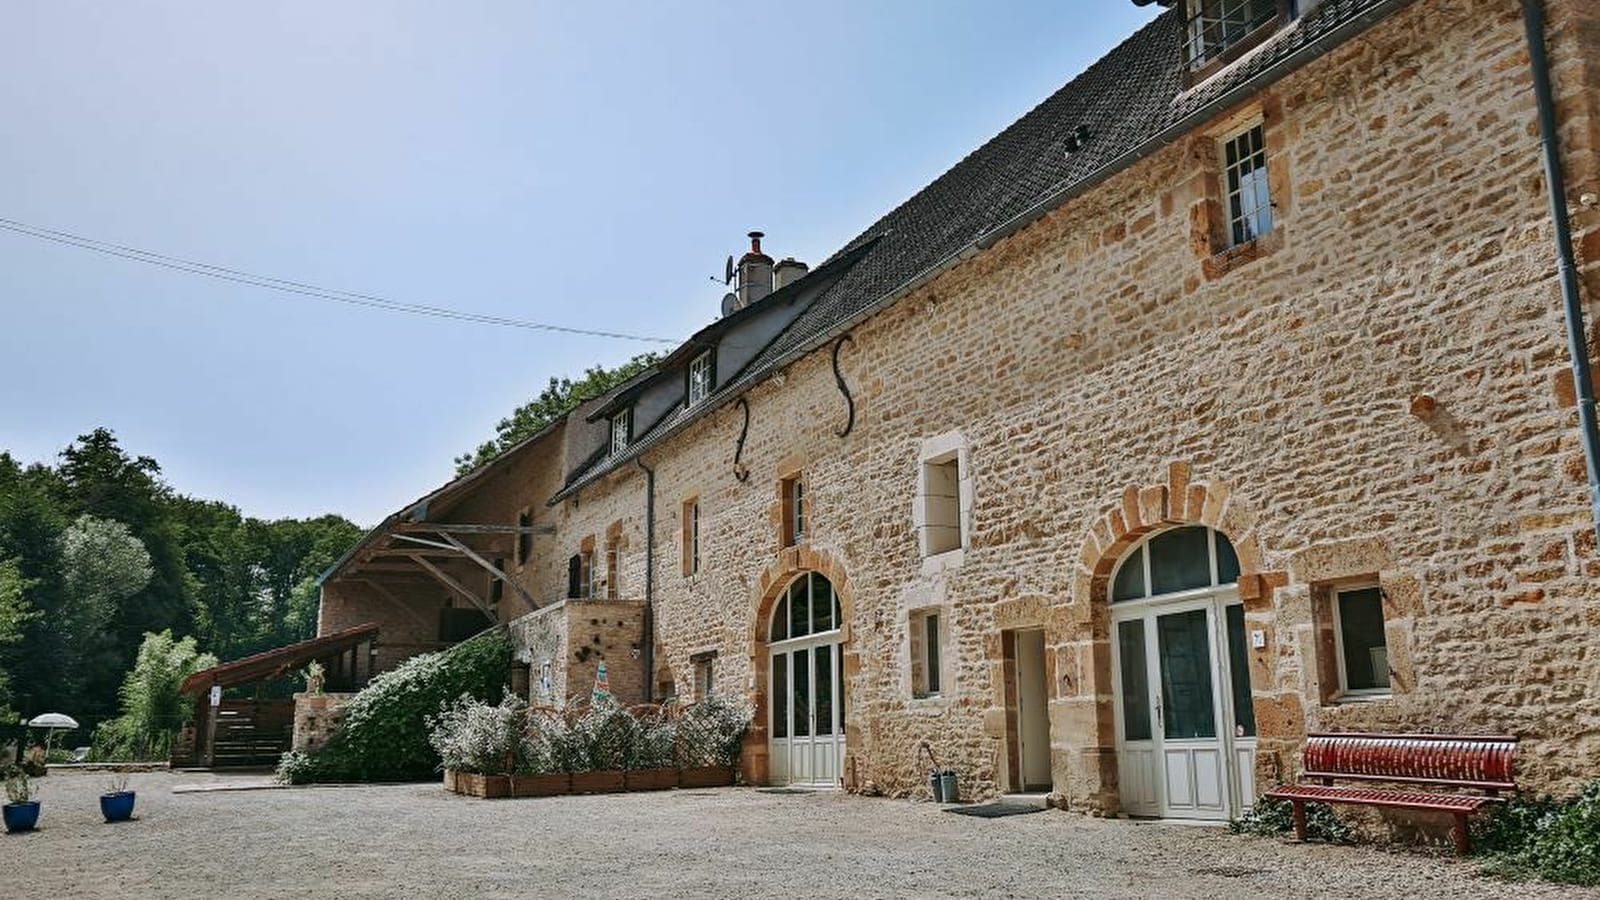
(1218, 31)
(621, 431)
(700, 378)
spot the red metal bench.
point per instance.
(1482, 762)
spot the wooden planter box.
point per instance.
(450, 781)
(652, 779)
(488, 786)
(548, 785)
(705, 776)
(602, 781)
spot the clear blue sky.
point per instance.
(585, 164)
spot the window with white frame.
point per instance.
(621, 431)
(613, 568)
(700, 376)
(927, 645)
(1248, 198)
(1217, 26)
(942, 526)
(1360, 646)
(793, 491)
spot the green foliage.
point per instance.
(555, 401)
(384, 735)
(152, 708)
(1557, 840)
(98, 551)
(1272, 817)
(14, 614)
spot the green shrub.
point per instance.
(471, 736)
(384, 735)
(152, 709)
(1272, 817)
(1557, 840)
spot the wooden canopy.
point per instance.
(278, 661)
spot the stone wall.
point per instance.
(316, 718)
(1377, 391)
(573, 638)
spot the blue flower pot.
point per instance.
(21, 816)
(117, 807)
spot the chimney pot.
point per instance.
(755, 272)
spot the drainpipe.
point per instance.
(648, 651)
(1582, 382)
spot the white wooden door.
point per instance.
(1176, 756)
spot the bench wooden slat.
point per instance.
(1483, 762)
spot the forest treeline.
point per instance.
(97, 550)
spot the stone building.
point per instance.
(1224, 396)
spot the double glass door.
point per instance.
(1185, 726)
(807, 717)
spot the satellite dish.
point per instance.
(727, 276)
(730, 304)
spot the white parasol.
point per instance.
(52, 720)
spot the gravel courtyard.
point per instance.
(418, 841)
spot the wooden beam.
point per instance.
(463, 528)
(444, 578)
(412, 539)
(416, 551)
(493, 570)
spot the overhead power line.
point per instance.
(284, 285)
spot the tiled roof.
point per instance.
(1131, 101)
(1132, 95)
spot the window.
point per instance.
(926, 653)
(1249, 200)
(941, 525)
(1178, 559)
(1360, 647)
(497, 587)
(580, 575)
(809, 606)
(793, 490)
(524, 537)
(705, 682)
(613, 568)
(621, 431)
(691, 536)
(700, 378)
(1217, 26)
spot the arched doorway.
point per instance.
(805, 707)
(1180, 666)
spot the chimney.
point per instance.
(755, 272)
(786, 271)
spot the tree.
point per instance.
(555, 401)
(102, 565)
(152, 710)
(14, 614)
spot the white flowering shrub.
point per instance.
(472, 736)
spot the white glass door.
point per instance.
(1183, 751)
(807, 718)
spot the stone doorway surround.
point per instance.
(1078, 648)
(792, 562)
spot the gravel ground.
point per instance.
(418, 841)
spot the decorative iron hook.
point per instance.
(741, 473)
(849, 401)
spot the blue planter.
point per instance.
(117, 807)
(21, 816)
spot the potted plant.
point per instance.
(21, 810)
(116, 804)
